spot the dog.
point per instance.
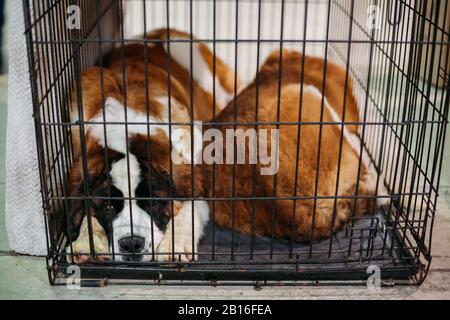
(321, 206)
(121, 166)
(322, 203)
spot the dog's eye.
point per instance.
(154, 204)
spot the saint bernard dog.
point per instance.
(128, 163)
(322, 204)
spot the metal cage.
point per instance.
(397, 53)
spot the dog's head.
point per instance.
(128, 195)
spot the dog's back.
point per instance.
(313, 180)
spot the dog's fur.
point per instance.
(310, 219)
(118, 93)
(311, 216)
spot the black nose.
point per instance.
(132, 244)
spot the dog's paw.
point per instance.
(81, 247)
(182, 252)
(184, 247)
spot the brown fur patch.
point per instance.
(310, 219)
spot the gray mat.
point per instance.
(361, 242)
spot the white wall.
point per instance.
(202, 24)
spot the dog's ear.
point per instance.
(98, 162)
(73, 219)
(154, 153)
(191, 180)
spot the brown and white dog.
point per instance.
(310, 220)
(134, 161)
(128, 162)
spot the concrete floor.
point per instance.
(25, 277)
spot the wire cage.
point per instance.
(396, 54)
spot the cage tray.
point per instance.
(363, 242)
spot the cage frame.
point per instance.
(413, 272)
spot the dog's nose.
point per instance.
(132, 244)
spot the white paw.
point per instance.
(184, 249)
(81, 247)
(182, 252)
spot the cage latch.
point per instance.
(96, 283)
(394, 16)
(257, 286)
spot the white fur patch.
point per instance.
(137, 124)
(120, 175)
(181, 53)
(352, 139)
(355, 143)
(142, 222)
(115, 133)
